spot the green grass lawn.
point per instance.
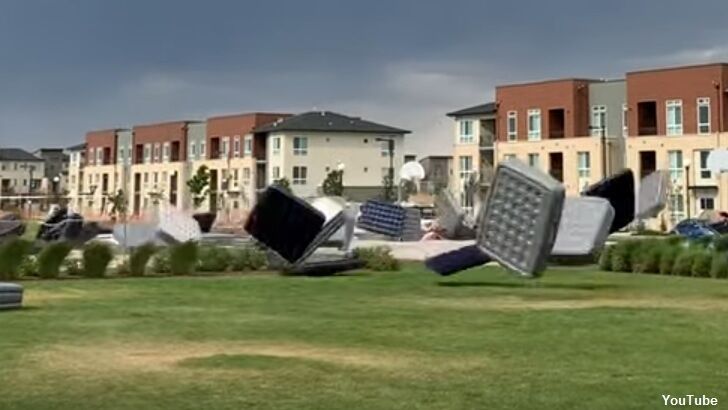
(482, 339)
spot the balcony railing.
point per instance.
(487, 141)
(486, 176)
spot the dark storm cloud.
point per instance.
(70, 66)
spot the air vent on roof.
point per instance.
(323, 113)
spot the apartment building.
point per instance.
(55, 176)
(304, 148)
(104, 170)
(159, 166)
(581, 130)
(234, 155)
(562, 127)
(20, 172)
(473, 153)
(244, 153)
(676, 116)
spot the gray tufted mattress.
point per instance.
(11, 296)
(520, 219)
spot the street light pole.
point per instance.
(687, 188)
(390, 146)
(603, 142)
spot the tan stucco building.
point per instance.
(582, 130)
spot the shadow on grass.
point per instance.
(530, 285)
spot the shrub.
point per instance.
(161, 263)
(684, 263)
(140, 257)
(605, 259)
(213, 259)
(378, 258)
(12, 255)
(720, 243)
(668, 255)
(674, 240)
(28, 267)
(702, 263)
(73, 267)
(249, 259)
(96, 258)
(719, 266)
(183, 258)
(51, 258)
(647, 258)
(622, 255)
(702, 242)
(123, 268)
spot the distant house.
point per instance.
(305, 147)
(20, 171)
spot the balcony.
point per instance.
(261, 180)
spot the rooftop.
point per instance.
(17, 154)
(77, 147)
(482, 109)
(327, 121)
(684, 67)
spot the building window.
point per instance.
(248, 145)
(625, 127)
(193, 150)
(583, 164)
(534, 160)
(246, 176)
(706, 203)
(202, 149)
(225, 147)
(466, 132)
(703, 115)
(534, 125)
(507, 157)
(99, 156)
(384, 148)
(165, 152)
(465, 167)
(299, 175)
(236, 146)
(276, 145)
(120, 160)
(300, 146)
(156, 152)
(147, 153)
(599, 120)
(677, 208)
(275, 173)
(512, 126)
(705, 173)
(146, 177)
(674, 117)
(675, 159)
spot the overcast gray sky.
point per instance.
(67, 67)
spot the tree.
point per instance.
(409, 188)
(118, 204)
(388, 188)
(199, 186)
(283, 184)
(334, 183)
